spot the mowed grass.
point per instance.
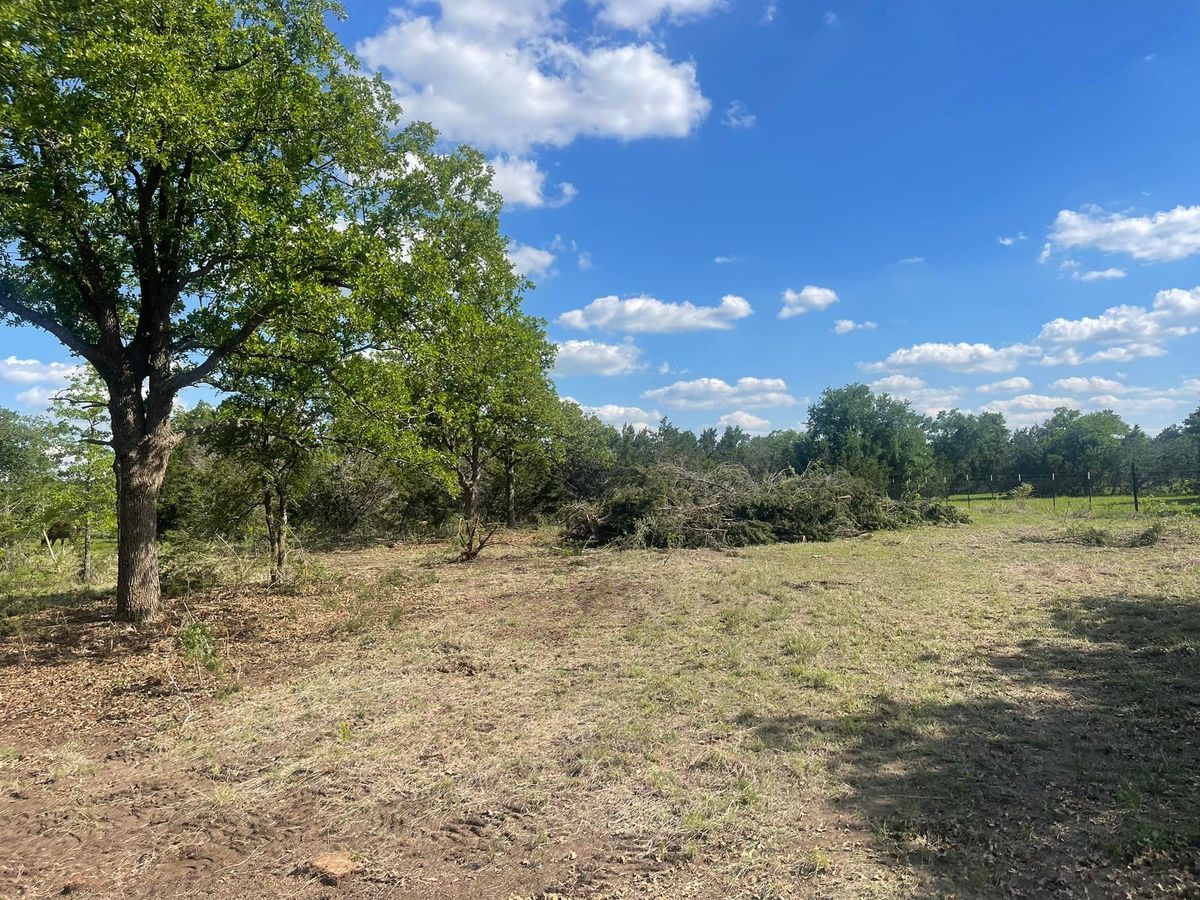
(982, 711)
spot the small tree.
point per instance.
(28, 486)
(272, 422)
(89, 480)
(486, 399)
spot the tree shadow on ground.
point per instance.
(1075, 774)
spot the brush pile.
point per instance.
(726, 507)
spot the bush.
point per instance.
(727, 507)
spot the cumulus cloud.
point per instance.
(845, 326)
(640, 14)
(725, 260)
(1029, 409)
(925, 399)
(1119, 334)
(748, 422)
(710, 393)
(649, 315)
(530, 261)
(808, 298)
(1009, 241)
(963, 357)
(620, 416)
(1133, 325)
(911, 261)
(523, 183)
(1091, 385)
(595, 358)
(1160, 237)
(737, 116)
(1006, 386)
(33, 371)
(1099, 275)
(502, 75)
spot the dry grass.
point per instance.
(938, 712)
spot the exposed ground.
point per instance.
(995, 710)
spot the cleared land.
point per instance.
(993, 710)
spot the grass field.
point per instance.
(997, 710)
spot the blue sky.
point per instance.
(728, 206)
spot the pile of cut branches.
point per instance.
(725, 507)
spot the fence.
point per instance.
(1130, 481)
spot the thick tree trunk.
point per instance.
(140, 478)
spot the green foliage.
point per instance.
(727, 507)
(873, 437)
(198, 646)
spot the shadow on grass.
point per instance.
(1077, 775)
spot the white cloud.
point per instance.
(725, 260)
(748, 422)
(1092, 385)
(1131, 325)
(845, 326)
(769, 12)
(585, 261)
(618, 416)
(1006, 386)
(737, 116)
(37, 396)
(963, 357)
(1123, 333)
(925, 399)
(1009, 241)
(595, 358)
(830, 17)
(910, 261)
(649, 315)
(1099, 275)
(710, 393)
(808, 298)
(530, 261)
(895, 383)
(1160, 237)
(638, 15)
(524, 184)
(500, 74)
(33, 371)
(1028, 409)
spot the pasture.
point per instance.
(1003, 709)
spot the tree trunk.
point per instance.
(85, 565)
(140, 478)
(275, 507)
(510, 492)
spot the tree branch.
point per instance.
(198, 373)
(73, 341)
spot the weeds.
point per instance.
(196, 642)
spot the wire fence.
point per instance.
(1130, 482)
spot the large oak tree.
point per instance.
(177, 176)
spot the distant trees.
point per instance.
(873, 436)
